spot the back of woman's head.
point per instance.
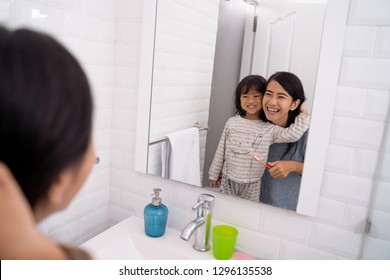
(45, 110)
(255, 82)
(293, 86)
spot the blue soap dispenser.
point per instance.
(155, 216)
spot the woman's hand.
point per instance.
(281, 169)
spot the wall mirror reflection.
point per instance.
(199, 56)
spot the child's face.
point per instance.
(251, 102)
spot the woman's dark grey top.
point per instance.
(283, 192)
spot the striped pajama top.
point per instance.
(243, 138)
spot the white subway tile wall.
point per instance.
(383, 42)
(296, 251)
(105, 36)
(360, 40)
(182, 74)
(340, 159)
(331, 211)
(365, 12)
(341, 242)
(286, 226)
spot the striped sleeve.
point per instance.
(217, 164)
(292, 133)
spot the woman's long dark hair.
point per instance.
(244, 86)
(45, 110)
(293, 85)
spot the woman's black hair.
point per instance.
(293, 86)
(45, 110)
(244, 86)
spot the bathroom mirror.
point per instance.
(177, 73)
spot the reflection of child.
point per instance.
(244, 136)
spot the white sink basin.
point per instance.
(128, 241)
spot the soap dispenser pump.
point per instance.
(155, 216)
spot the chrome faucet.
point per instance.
(201, 224)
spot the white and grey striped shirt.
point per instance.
(243, 138)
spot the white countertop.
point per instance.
(127, 241)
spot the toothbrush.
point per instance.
(256, 158)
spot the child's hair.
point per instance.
(244, 86)
(293, 85)
(45, 110)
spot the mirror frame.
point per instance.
(323, 104)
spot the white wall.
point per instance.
(124, 116)
(358, 131)
(87, 27)
(182, 72)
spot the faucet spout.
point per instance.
(201, 224)
(192, 227)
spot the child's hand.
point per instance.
(304, 110)
(214, 183)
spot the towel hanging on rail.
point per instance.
(162, 139)
(180, 156)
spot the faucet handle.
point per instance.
(204, 199)
(196, 206)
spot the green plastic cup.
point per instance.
(224, 241)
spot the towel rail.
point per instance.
(162, 139)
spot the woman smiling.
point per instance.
(282, 102)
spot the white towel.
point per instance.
(180, 156)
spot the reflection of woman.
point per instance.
(45, 140)
(281, 104)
